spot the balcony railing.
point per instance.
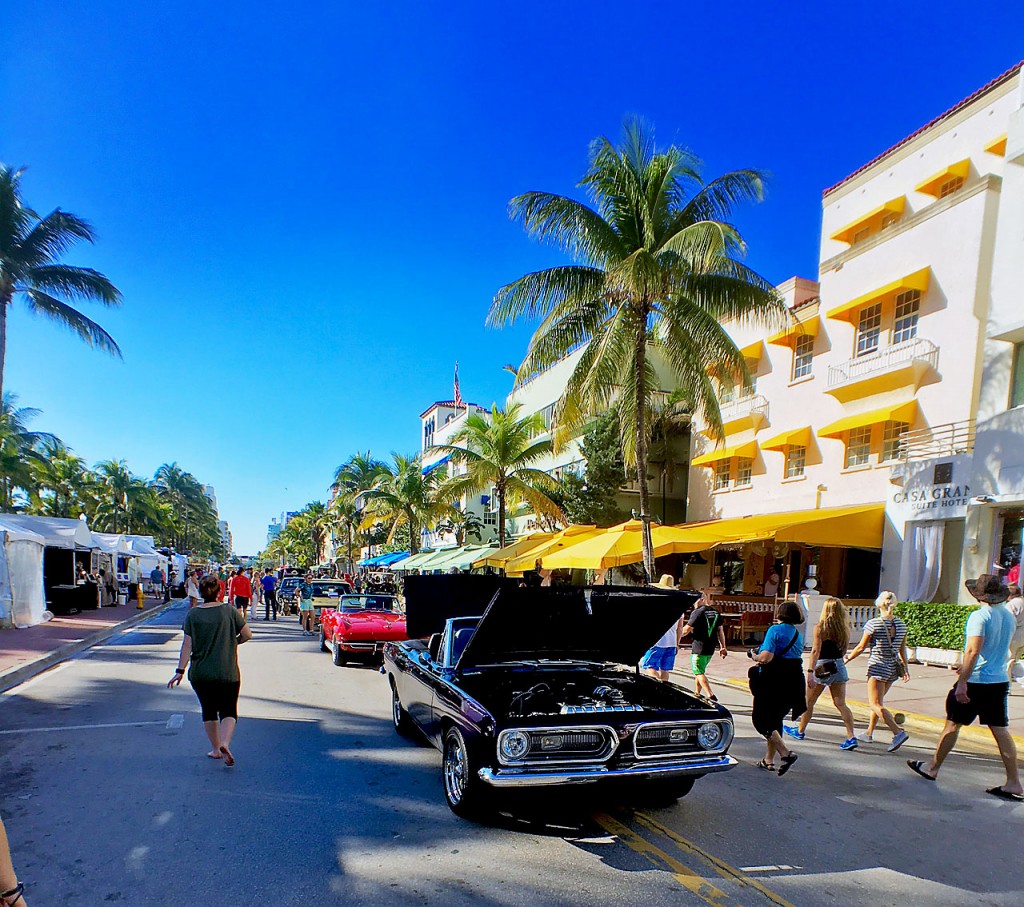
(755, 405)
(938, 441)
(919, 352)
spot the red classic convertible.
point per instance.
(360, 625)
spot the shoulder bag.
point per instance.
(755, 676)
(901, 668)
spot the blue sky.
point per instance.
(307, 215)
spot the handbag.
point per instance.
(825, 669)
(755, 675)
(901, 668)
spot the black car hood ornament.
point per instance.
(598, 623)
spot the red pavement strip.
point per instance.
(30, 651)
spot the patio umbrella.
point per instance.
(498, 557)
(568, 536)
(623, 544)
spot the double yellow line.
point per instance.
(657, 851)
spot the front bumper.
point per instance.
(539, 777)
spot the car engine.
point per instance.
(570, 699)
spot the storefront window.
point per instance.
(858, 446)
(1017, 381)
(796, 460)
(1010, 546)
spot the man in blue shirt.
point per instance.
(269, 584)
(984, 685)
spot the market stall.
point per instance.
(22, 600)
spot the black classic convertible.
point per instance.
(534, 691)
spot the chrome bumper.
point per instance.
(519, 777)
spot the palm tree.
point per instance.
(406, 496)
(500, 452)
(345, 513)
(115, 481)
(357, 474)
(30, 250)
(18, 448)
(463, 526)
(669, 427)
(192, 513)
(656, 265)
(62, 474)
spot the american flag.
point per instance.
(458, 392)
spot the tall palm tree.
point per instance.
(192, 512)
(406, 496)
(656, 265)
(115, 480)
(30, 250)
(669, 427)
(59, 477)
(18, 449)
(500, 452)
(345, 514)
(357, 474)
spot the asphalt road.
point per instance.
(109, 798)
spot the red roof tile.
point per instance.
(434, 406)
(998, 80)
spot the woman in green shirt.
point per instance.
(213, 633)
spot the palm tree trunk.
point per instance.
(500, 491)
(641, 446)
(5, 301)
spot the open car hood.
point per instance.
(598, 623)
(430, 601)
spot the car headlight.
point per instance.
(709, 735)
(514, 745)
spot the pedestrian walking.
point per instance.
(1015, 605)
(983, 687)
(257, 595)
(828, 670)
(156, 580)
(660, 659)
(108, 588)
(777, 684)
(240, 590)
(269, 586)
(213, 633)
(705, 627)
(887, 663)
(133, 579)
(192, 589)
(12, 891)
(304, 595)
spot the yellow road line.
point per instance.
(721, 867)
(686, 877)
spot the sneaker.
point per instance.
(898, 741)
(850, 744)
(793, 732)
(865, 738)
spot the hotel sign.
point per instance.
(929, 493)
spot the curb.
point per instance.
(978, 738)
(15, 676)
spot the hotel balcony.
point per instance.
(938, 441)
(886, 369)
(744, 412)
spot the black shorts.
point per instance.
(987, 705)
(218, 698)
(241, 601)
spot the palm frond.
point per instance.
(569, 224)
(43, 304)
(537, 293)
(74, 282)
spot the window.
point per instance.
(490, 517)
(908, 307)
(860, 235)
(803, 353)
(892, 438)
(890, 220)
(858, 446)
(949, 186)
(744, 472)
(869, 329)
(1017, 380)
(796, 460)
(722, 475)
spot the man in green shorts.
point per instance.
(705, 626)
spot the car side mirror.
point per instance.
(434, 646)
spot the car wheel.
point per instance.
(323, 641)
(462, 788)
(399, 716)
(340, 658)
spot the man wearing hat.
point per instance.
(661, 657)
(982, 690)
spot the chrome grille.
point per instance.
(551, 745)
(666, 740)
(595, 708)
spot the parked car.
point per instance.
(286, 593)
(360, 626)
(326, 594)
(534, 692)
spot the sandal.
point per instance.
(917, 766)
(767, 766)
(1005, 794)
(787, 763)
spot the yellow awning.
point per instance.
(568, 536)
(620, 545)
(916, 281)
(753, 350)
(787, 336)
(900, 412)
(933, 184)
(997, 146)
(516, 549)
(800, 437)
(725, 453)
(872, 220)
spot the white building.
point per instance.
(225, 535)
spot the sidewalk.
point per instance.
(25, 653)
(922, 699)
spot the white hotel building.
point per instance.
(913, 332)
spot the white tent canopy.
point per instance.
(57, 532)
(112, 543)
(143, 548)
(22, 600)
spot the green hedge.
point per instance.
(936, 626)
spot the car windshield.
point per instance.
(367, 603)
(329, 590)
(290, 582)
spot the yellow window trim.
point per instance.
(746, 451)
(916, 281)
(933, 184)
(872, 220)
(899, 412)
(997, 146)
(787, 336)
(798, 437)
